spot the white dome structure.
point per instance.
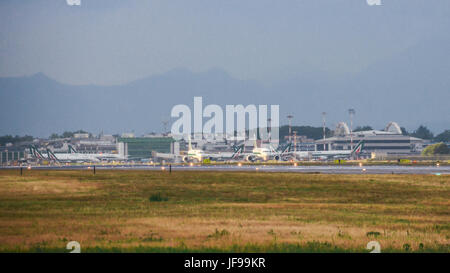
(393, 127)
(342, 129)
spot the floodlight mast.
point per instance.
(323, 125)
(351, 112)
(295, 141)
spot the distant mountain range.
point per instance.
(405, 88)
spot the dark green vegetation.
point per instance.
(157, 198)
(67, 134)
(443, 137)
(436, 149)
(14, 139)
(422, 132)
(308, 131)
(155, 211)
(363, 128)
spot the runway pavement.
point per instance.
(328, 169)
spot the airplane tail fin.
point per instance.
(285, 148)
(72, 150)
(32, 151)
(358, 148)
(237, 150)
(35, 152)
(272, 150)
(51, 155)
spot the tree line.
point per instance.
(68, 134)
(14, 139)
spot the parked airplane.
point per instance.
(194, 155)
(339, 153)
(227, 156)
(197, 155)
(286, 154)
(35, 153)
(264, 153)
(72, 157)
(99, 156)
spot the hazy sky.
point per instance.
(116, 41)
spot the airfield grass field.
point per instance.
(199, 211)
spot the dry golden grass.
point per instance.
(213, 211)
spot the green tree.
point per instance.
(404, 131)
(443, 137)
(14, 139)
(68, 134)
(422, 132)
(308, 131)
(436, 149)
(363, 128)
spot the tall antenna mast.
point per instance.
(323, 125)
(295, 141)
(351, 112)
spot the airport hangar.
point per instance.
(389, 141)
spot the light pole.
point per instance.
(323, 125)
(351, 112)
(295, 141)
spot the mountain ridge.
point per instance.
(404, 88)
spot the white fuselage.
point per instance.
(331, 153)
(75, 157)
(262, 153)
(196, 154)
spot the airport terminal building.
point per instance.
(137, 148)
(389, 141)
